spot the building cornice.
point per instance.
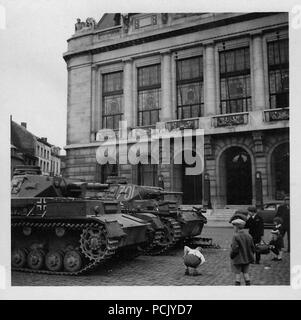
(167, 34)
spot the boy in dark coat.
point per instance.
(242, 252)
(256, 229)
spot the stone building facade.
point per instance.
(226, 73)
(48, 157)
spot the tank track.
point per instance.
(112, 246)
(156, 248)
(151, 250)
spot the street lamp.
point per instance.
(207, 195)
(258, 190)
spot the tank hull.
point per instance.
(70, 236)
(178, 224)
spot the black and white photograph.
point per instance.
(150, 149)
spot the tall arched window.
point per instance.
(278, 73)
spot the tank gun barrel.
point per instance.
(80, 188)
(97, 186)
(171, 192)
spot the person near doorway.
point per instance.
(284, 213)
(256, 229)
(242, 252)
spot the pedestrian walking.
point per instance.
(193, 258)
(276, 244)
(256, 229)
(242, 252)
(284, 213)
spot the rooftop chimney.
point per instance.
(24, 124)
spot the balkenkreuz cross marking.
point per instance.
(41, 204)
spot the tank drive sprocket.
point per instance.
(96, 245)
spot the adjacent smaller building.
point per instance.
(48, 157)
(28, 149)
(23, 146)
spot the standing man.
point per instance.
(256, 229)
(161, 185)
(161, 181)
(284, 213)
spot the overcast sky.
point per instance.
(33, 75)
(33, 78)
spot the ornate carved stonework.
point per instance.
(79, 25)
(82, 26)
(208, 148)
(126, 22)
(258, 141)
(164, 17)
(230, 120)
(276, 115)
(184, 124)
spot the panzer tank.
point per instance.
(57, 229)
(178, 223)
(155, 229)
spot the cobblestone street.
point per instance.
(169, 270)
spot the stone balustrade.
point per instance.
(230, 120)
(272, 115)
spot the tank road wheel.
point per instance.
(72, 261)
(18, 258)
(93, 243)
(54, 261)
(35, 259)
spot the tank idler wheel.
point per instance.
(54, 261)
(72, 261)
(35, 259)
(18, 257)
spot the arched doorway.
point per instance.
(280, 171)
(236, 176)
